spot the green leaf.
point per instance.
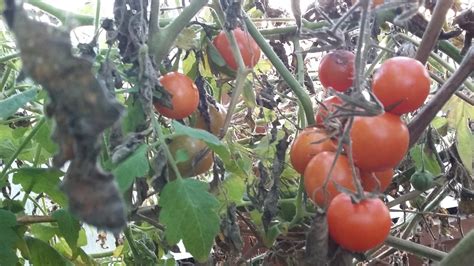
(215, 56)
(428, 157)
(190, 65)
(135, 117)
(11, 104)
(465, 145)
(212, 141)
(189, 213)
(43, 137)
(249, 94)
(68, 227)
(135, 165)
(44, 231)
(232, 189)
(41, 180)
(41, 253)
(8, 238)
(186, 39)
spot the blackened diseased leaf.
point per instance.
(160, 167)
(316, 251)
(270, 204)
(233, 15)
(82, 110)
(231, 231)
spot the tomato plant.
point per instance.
(308, 144)
(249, 49)
(184, 96)
(199, 158)
(358, 226)
(317, 172)
(371, 181)
(327, 107)
(375, 3)
(378, 142)
(401, 84)
(336, 70)
(217, 114)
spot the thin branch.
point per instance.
(34, 219)
(429, 111)
(154, 16)
(433, 30)
(416, 249)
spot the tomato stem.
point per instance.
(164, 145)
(300, 93)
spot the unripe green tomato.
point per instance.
(422, 180)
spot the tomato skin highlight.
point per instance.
(369, 180)
(402, 84)
(317, 171)
(249, 49)
(310, 142)
(327, 107)
(336, 70)
(185, 96)
(358, 227)
(378, 142)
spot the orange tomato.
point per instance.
(308, 144)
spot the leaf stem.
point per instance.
(62, 15)
(164, 145)
(416, 249)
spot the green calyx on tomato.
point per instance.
(184, 96)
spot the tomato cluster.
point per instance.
(377, 145)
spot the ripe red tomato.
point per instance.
(217, 116)
(249, 49)
(378, 142)
(369, 180)
(184, 93)
(307, 144)
(358, 227)
(401, 84)
(317, 171)
(199, 161)
(336, 70)
(328, 106)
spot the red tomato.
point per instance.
(307, 144)
(369, 180)
(328, 106)
(317, 172)
(184, 93)
(378, 142)
(217, 116)
(249, 49)
(336, 70)
(358, 227)
(401, 84)
(375, 3)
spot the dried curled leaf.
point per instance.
(82, 110)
